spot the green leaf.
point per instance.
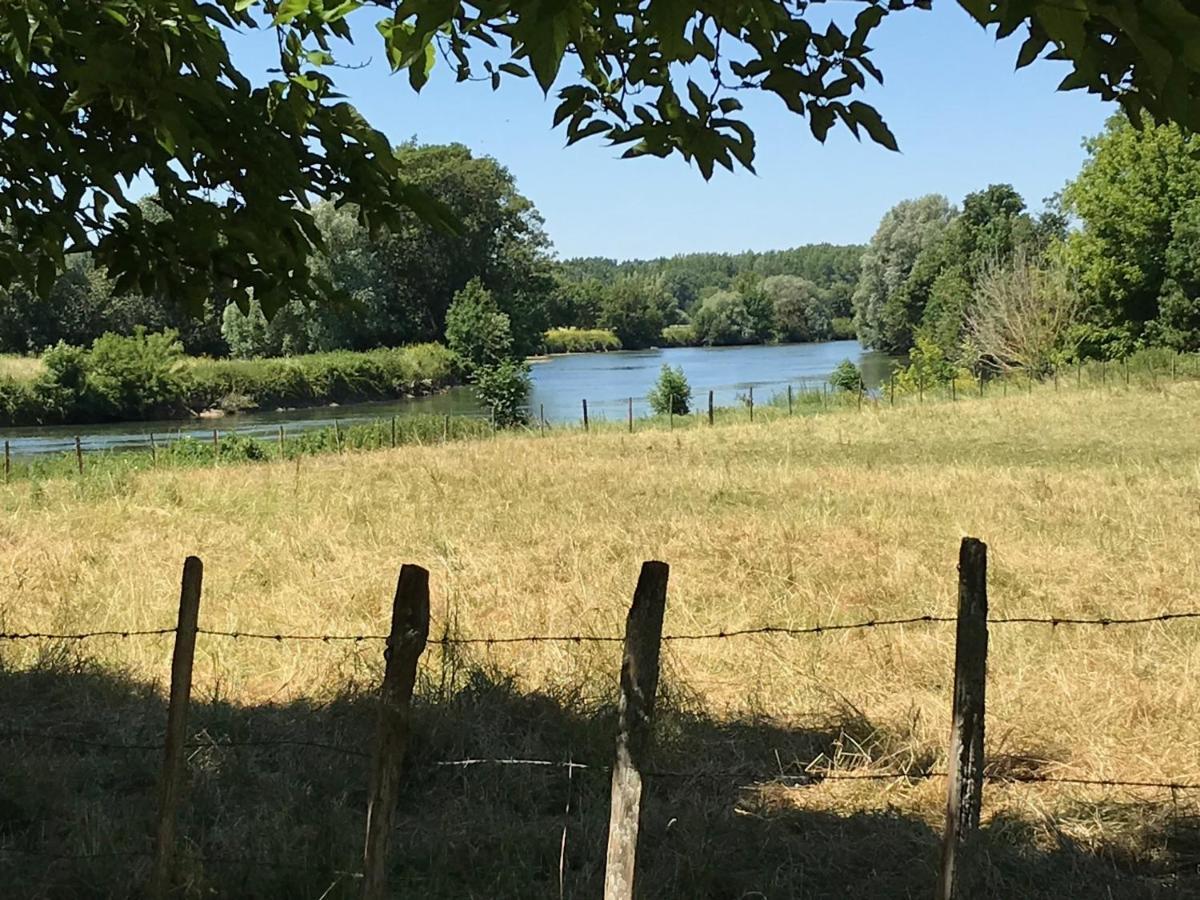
(514, 69)
(597, 127)
(869, 118)
(289, 10)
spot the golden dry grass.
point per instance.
(1090, 504)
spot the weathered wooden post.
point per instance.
(752, 403)
(585, 416)
(493, 421)
(170, 787)
(710, 407)
(79, 454)
(631, 415)
(981, 382)
(1125, 364)
(1056, 379)
(337, 436)
(216, 446)
(965, 789)
(920, 387)
(153, 451)
(7, 463)
(639, 685)
(1078, 373)
(542, 419)
(1103, 372)
(394, 431)
(892, 389)
(405, 643)
(789, 399)
(861, 388)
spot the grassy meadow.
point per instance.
(1088, 499)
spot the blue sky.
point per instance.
(963, 117)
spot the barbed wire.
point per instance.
(720, 634)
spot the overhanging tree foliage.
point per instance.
(98, 96)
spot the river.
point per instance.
(560, 384)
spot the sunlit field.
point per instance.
(1089, 502)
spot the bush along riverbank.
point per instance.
(146, 376)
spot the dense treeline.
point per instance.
(1112, 265)
(802, 294)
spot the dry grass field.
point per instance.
(1089, 502)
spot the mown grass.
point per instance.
(1088, 499)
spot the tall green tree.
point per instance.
(885, 312)
(1134, 200)
(637, 310)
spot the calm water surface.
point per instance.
(560, 384)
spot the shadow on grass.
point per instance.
(261, 820)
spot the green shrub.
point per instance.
(505, 388)
(60, 392)
(846, 377)
(672, 393)
(138, 376)
(679, 336)
(581, 340)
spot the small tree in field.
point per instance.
(672, 393)
(846, 377)
(504, 387)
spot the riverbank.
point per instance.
(144, 377)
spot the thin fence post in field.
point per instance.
(789, 399)
(824, 394)
(216, 446)
(921, 387)
(406, 642)
(861, 388)
(639, 685)
(7, 462)
(1174, 359)
(710, 407)
(153, 450)
(585, 416)
(1078, 373)
(751, 403)
(671, 419)
(1103, 372)
(445, 429)
(1125, 364)
(337, 435)
(965, 784)
(493, 421)
(892, 389)
(981, 382)
(1056, 379)
(542, 419)
(631, 415)
(170, 787)
(79, 454)
(394, 432)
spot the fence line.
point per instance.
(967, 765)
(723, 634)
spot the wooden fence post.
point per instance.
(892, 389)
(337, 435)
(170, 786)
(980, 382)
(920, 387)
(965, 789)
(216, 446)
(394, 432)
(78, 454)
(153, 450)
(585, 416)
(860, 392)
(1125, 363)
(542, 419)
(1056, 379)
(789, 399)
(631, 415)
(406, 641)
(751, 403)
(639, 684)
(7, 463)
(710, 407)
